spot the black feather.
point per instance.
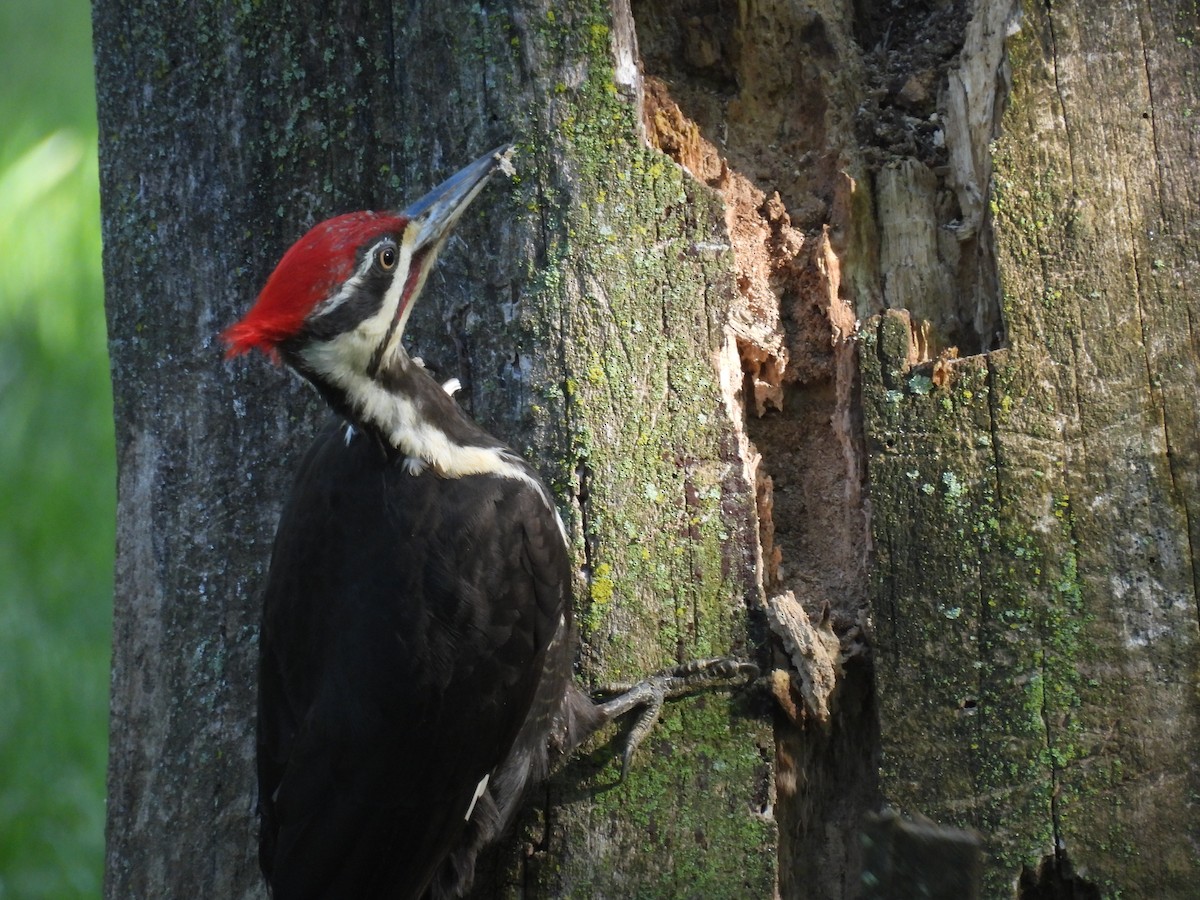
(406, 629)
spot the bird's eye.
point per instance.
(386, 258)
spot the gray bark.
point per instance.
(1034, 507)
(1013, 186)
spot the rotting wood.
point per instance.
(723, 87)
(1036, 509)
(815, 653)
(994, 644)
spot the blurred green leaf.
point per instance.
(57, 494)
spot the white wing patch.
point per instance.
(479, 789)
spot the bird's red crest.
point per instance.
(309, 272)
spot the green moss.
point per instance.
(682, 773)
(645, 432)
(977, 644)
(601, 589)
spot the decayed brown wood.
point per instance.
(1032, 509)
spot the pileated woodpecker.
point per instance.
(416, 645)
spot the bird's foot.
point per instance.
(651, 693)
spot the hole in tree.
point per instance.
(1055, 879)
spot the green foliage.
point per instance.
(56, 452)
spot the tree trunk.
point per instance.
(585, 311)
(1028, 412)
(1035, 508)
(882, 344)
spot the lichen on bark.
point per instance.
(635, 288)
(1034, 587)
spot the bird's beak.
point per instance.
(430, 221)
(435, 214)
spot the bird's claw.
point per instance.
(688, 678)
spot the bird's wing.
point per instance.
(406, 621)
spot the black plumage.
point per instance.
(415, 652)
(406, 626)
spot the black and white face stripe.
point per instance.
(345, 341)
(410, 286)
(361, 296)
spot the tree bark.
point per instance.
(585, 311)
(1034, 508)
